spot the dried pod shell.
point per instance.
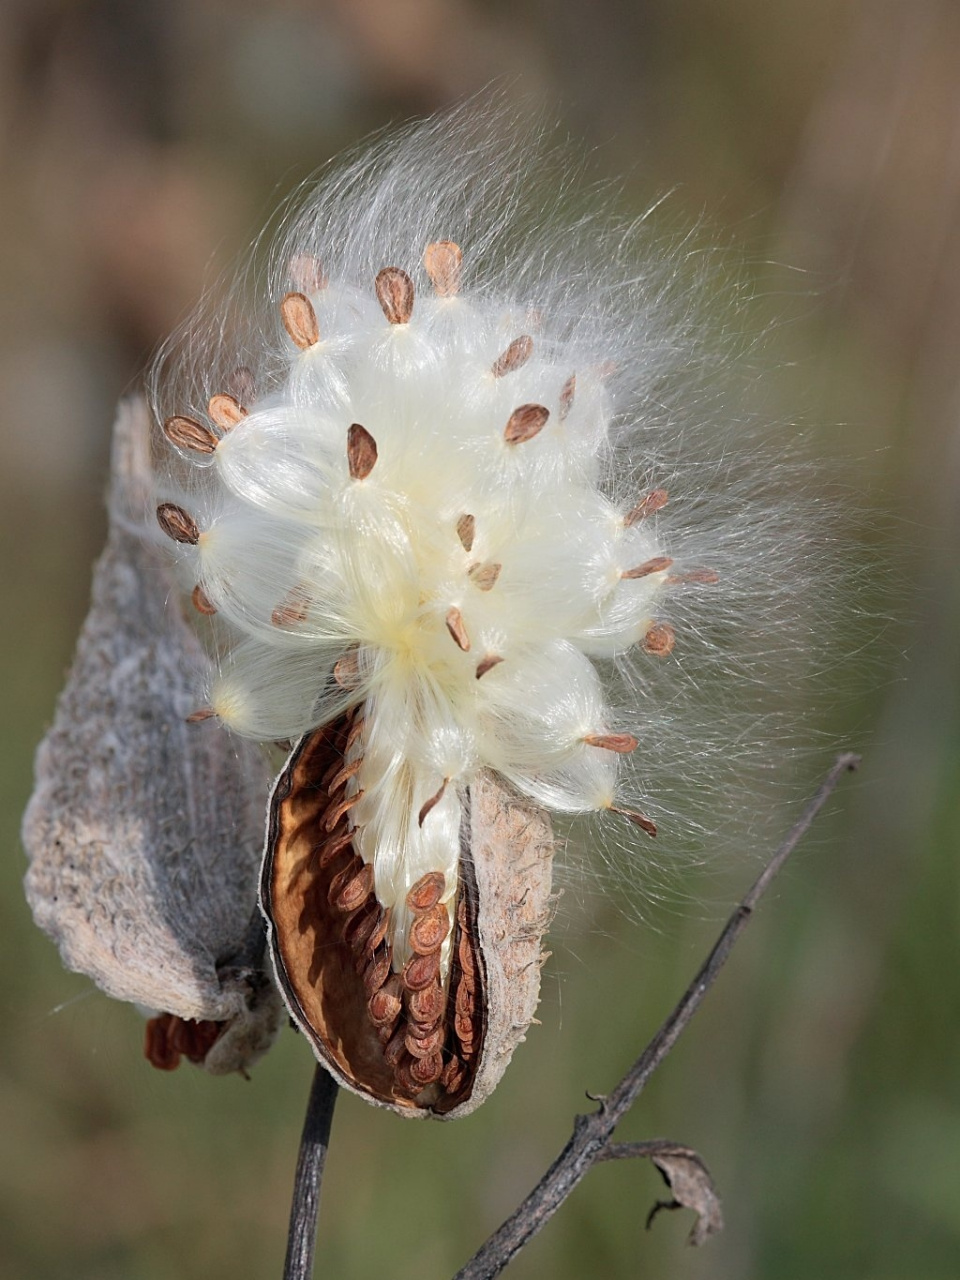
(442, 1050)
(142, 833)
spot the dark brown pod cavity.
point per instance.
(423, 1022)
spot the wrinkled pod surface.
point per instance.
(416, 1005)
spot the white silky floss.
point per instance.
(425, 481)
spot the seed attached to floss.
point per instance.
(187, 433)
(395, 294)
(177, 524)
(225, 411)
(442, 261)
(300, 320)
(525, 423)
(515, 356)
(361, 452)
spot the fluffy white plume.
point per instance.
(452, 461)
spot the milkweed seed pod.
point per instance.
(421, 486)
(144, 839)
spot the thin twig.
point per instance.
(592, 1133)
(314, 1141)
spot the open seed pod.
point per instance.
(415, 1005)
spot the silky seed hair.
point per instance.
(436, 456)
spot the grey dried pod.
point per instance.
(431, 1034)
(143, 831)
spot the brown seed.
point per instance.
(457, 629)
(431, 802)
(429, 930)
(225, 412)
(453, 1075)
(354, 733)
(380, 931)
(201, 601)
(656, 565)
(201, 714)
(360, 924)
(361, 452)
(404, 1083)
(187, 433)
(466, 531)
(443, 260)
(525, 422)
(176, 524)
(515, 356)
(346, 670)
(300, 320)
(384, 1005)
(484, 576)
(487, 664)
(424, 1071)
(343, 775)
(638, 819)
(621, 743)
(292, 611)
(466, 1001)
(306, 273)
(356, 891)
(654, 501)
(343, 877)
(705, 576)
(567, 393)
(424, 1046)
(420, 971)
(660, 639)
(336, 811)
(463, 1026)
(427, 1006)
(427, 892)
(468, 961)
(395, 294)
(326, 852)
(395, 1048)
(377, 970)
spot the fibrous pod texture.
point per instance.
(420, 508)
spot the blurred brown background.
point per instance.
(141, 145)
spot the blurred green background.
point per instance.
(141, 143)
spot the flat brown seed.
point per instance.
(377, 971)
(426, 1071)
(201, 601)
(429, 930)
(487, 664)
(395, 1048)
(420, 971)
(466, 1001)
(361, 452)
(292, 611)
(344, 774)
(395, 294)
(466, 531)
(346, 670)
(356, 891)
(453, 1075)
(201, 714)
(427, 1005)
(660, 639)
(384, 1006)
(638, 819)
(360, 924)
(177, 524)
(380, 931)
(300, 320)
(306, 273)
(525, 422)
(335, 845)
(225, 412)
(424, 1046)
(443, 260)
(654, 501)
(656, 565)
(187, 433)
(431, 802)
(484, 576)
(343, 877)
(567, 393)
(427, 892)
(515, 356)
(621, 743)
(337, 810)
(457, 629)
